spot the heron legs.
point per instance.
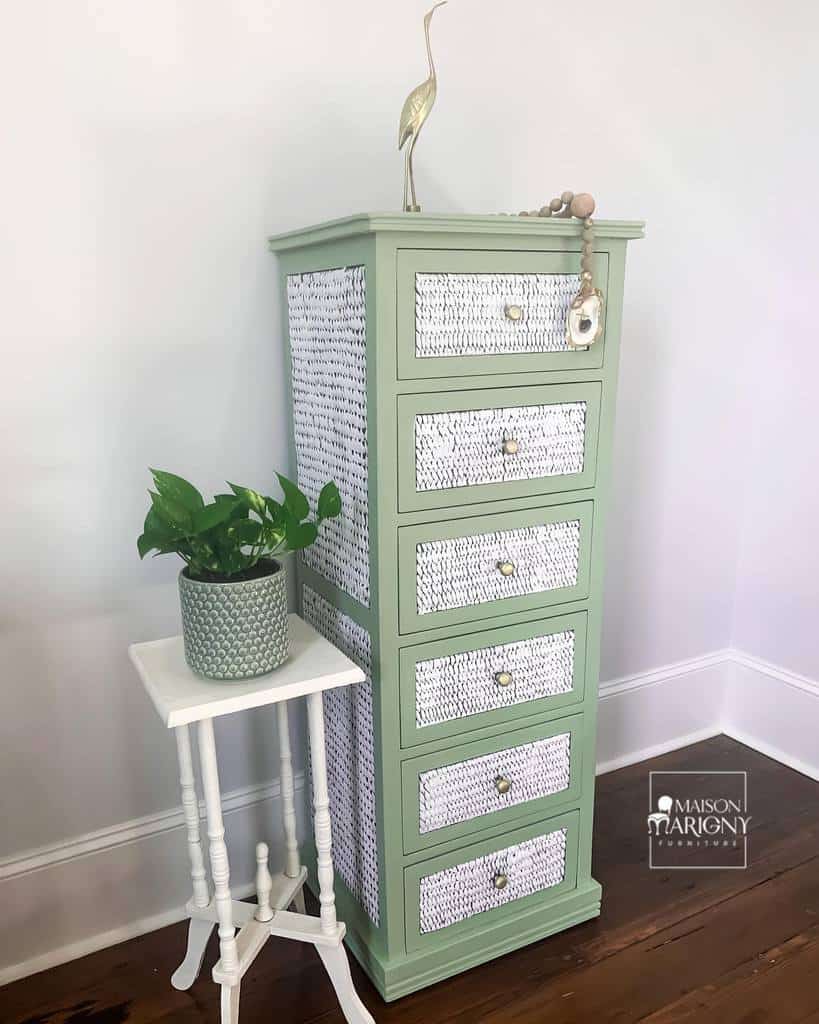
(415, 205)
(406, 179)
(409, 180)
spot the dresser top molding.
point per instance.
(462, 223)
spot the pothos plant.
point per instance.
(236, 535)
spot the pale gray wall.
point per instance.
(150, 148)
(776, 613)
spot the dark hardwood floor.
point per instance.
(671, 946)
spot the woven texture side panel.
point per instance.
(460, 449)
(464, 314)
(465, 890)
(466, 790)
(463, 571)
(463, 684)
(348, 722)
(327, 322)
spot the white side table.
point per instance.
(182, 698)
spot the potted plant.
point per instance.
(232, 590)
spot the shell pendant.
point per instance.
(584, 321)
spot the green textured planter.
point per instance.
(235, 630)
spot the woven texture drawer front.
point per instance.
(465, 684)
(468, 789)
(467, 889)
(463, 571)
(461, 449)
(466, 314)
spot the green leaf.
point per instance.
(238, 507)
(152, 520)
(274, 534)
(252, 499)
(159, 541)
(274, 509)
(245, 531)
(146, 543)
(182, 548)
(171, 548)
(231, 560)
(329, 502)
(209, 516)
(177, 489)
(300, 535)
(171, 512)
(294, 501)
(153, 524)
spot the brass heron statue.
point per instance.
(413, 115)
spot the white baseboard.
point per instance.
(102, 940)
(762, 747)
(651, 713)
(93, 891)
(130, 831)
(774, 711)
(64, 901)
(657, 749)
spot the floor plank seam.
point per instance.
(725, 899)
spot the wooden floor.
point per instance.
(670, 946)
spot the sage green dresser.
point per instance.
(430, 377)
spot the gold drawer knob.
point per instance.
(513, 312)
(510, 446)
(503, 678)
(506, 568)
(500, 880)
(503, 785)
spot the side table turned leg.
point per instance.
(333, 957)
(198, 930)
(292, 867)
(220, 869)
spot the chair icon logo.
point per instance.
(662, 816)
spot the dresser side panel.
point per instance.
(348, 724)
(328, 357)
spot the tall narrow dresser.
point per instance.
(430, 378)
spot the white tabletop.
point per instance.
(181, 697)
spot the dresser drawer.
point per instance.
(492, 564)
(492, 880)
(454, 686)
(503, 443)
(454, 792)
(470, 312)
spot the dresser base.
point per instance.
(399, 976)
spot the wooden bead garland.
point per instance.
(584, 322)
